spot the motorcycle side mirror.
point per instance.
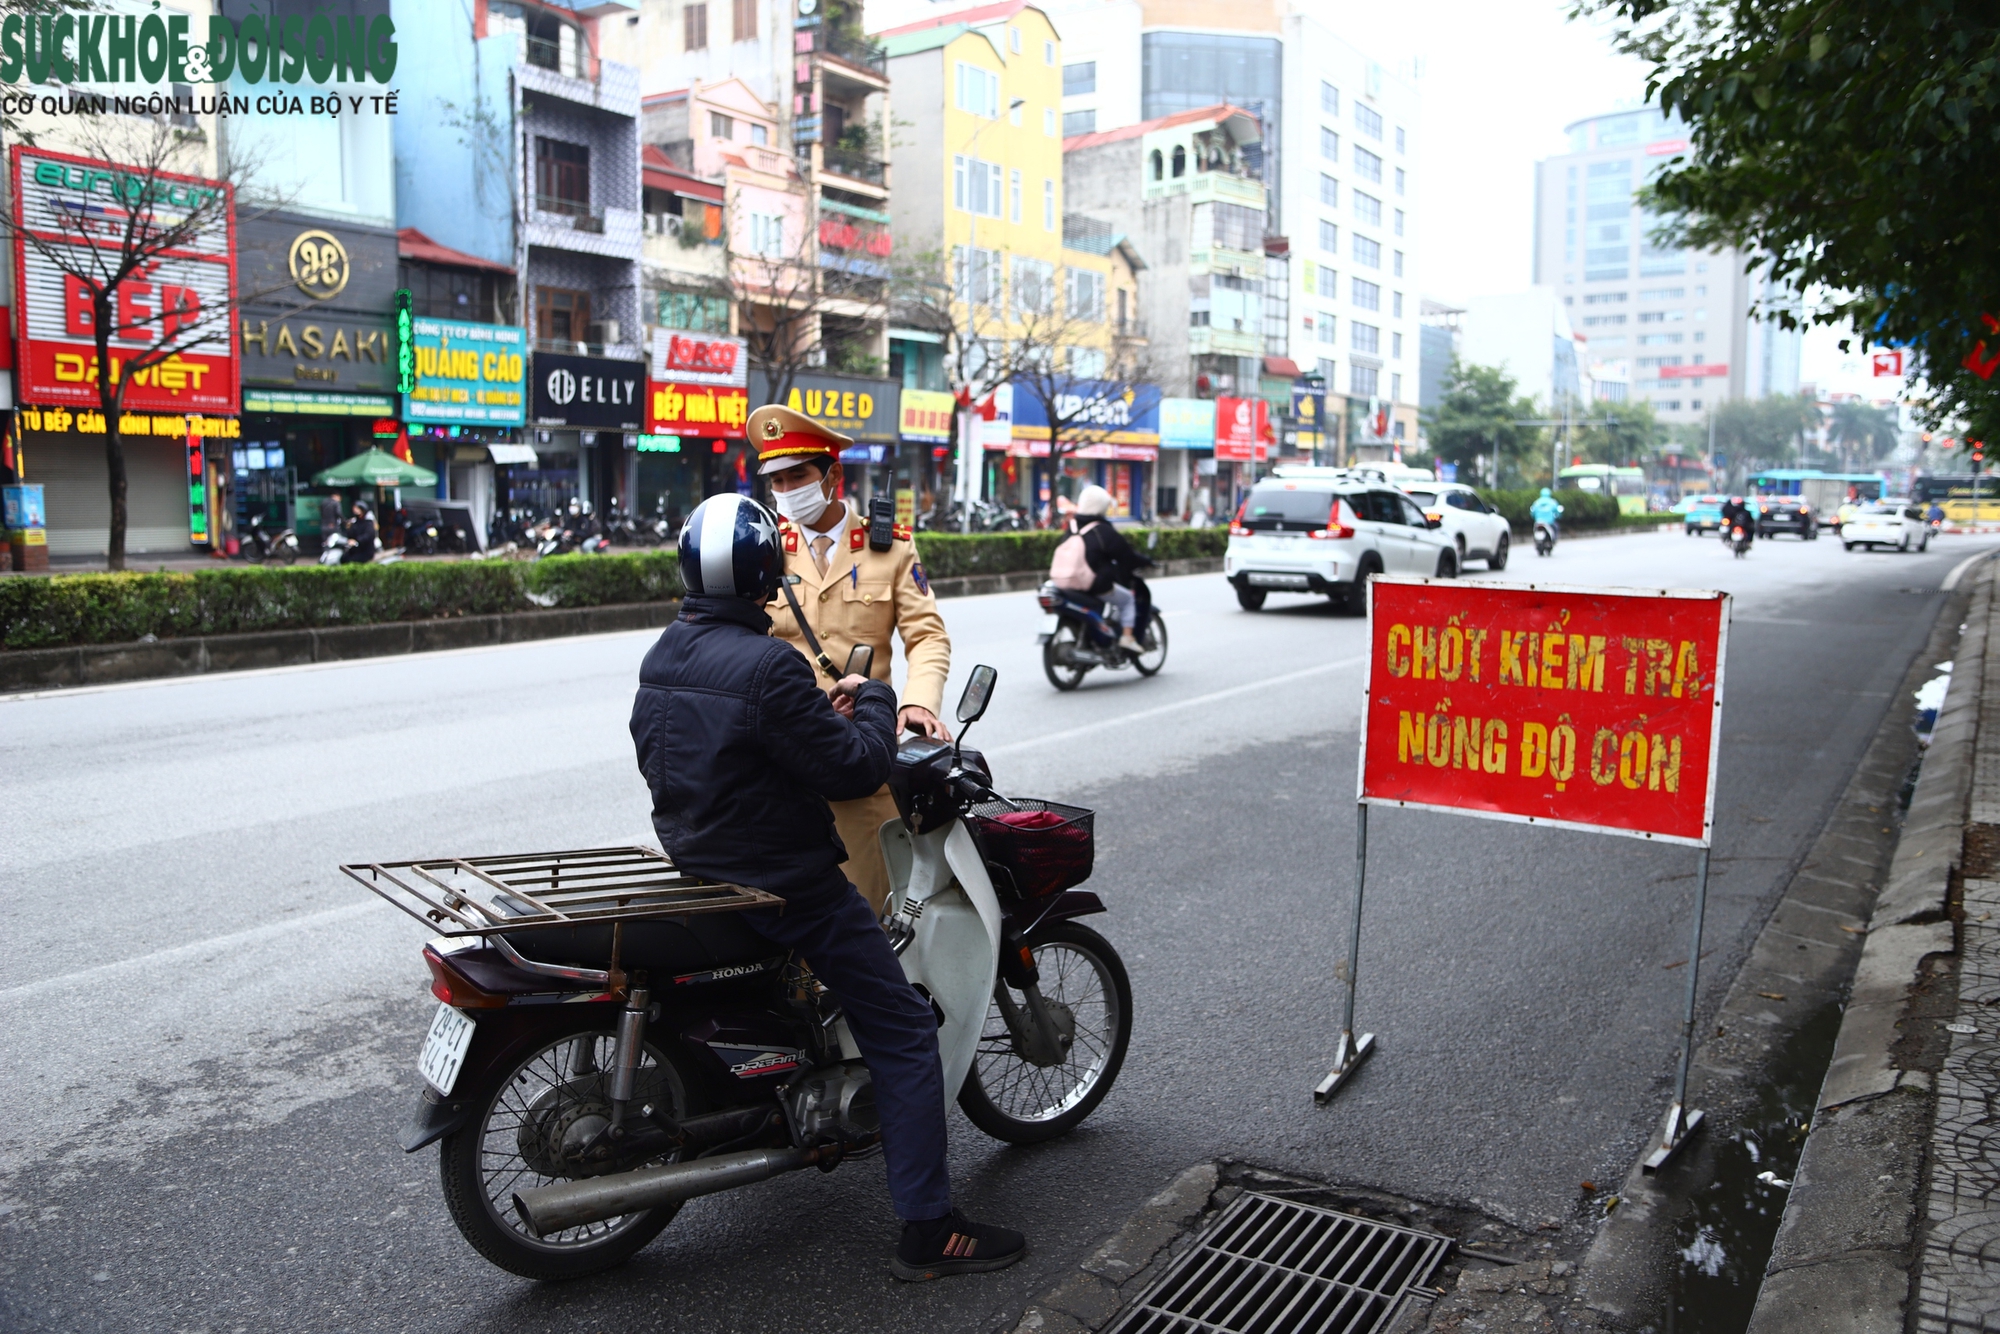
(978, 694)
(860, 660)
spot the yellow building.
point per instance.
(977, 156)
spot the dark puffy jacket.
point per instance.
(1111, 557)
(742, 749)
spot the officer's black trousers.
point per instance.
(832, 928)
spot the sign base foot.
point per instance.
(1347, 1059)
(1675, 1130)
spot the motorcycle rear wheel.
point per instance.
(546, 1080)
(1014, 1100)
(1060, 676)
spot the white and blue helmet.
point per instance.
(729, 548)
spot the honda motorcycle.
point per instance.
(1738, 538)
(1077, 636)
(1545, 537)
(265, 545)
(614, 1040)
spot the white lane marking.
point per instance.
(1958, 570)
(247, 673)
(1143, 714)
(175, 953)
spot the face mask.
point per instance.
(803, 504)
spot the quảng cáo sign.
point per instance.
(1585, 708)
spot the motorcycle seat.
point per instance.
(663, 947)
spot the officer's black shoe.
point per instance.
(938, 1247)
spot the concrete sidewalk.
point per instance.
(1893, 1220)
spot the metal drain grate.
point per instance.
(1271, 1266)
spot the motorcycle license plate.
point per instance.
(1050, 624)
(444, 1048)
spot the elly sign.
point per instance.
(1582, 708)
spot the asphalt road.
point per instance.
(210, 1035)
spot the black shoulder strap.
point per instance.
(812, 640)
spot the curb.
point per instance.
(1841, 1260)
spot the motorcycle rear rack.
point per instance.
(476, 896)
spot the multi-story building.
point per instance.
(979, 185)
(539, 170)
(1188, 189)
(1338, 152)
(1674, 326)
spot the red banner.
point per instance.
(1698, 371)
(1583, 708)
(707, 410)
(1242, 429)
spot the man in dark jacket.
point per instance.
(742, 751)
(1116, 565)
(361, 533)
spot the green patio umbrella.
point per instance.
(375, 468)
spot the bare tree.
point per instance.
(118, 256)
(787, 299)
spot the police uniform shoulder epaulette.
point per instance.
(903, 533)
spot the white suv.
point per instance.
(1324, 531)
(1475, 528)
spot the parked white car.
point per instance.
(1324, 531)
(1893, 521)
(1477, 529)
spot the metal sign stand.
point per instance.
(1680, 1122)
(1352, 1052)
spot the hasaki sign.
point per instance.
(1584, 708)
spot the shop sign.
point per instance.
(861, 408)
(1094, 412)
(1308, 406)
(72, 205)
(1039, 449)
(1187, 423)
(468, 374)
(867, 454)
(927, 414)
(1696, 372)
(311, 403)
(89, 421)
(1242, 430)
(591, 392)
(681, 357)
(317, 305)
(1546, 705)
(696, 409)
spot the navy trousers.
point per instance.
(833, 929)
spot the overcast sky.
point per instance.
(1500, 79)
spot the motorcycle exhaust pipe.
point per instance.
(568, 1204)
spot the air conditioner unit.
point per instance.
(604, 331)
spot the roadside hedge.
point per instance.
(68, 609)
(1582, 510)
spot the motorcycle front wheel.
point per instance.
(1084, 983)
(1152, 659)
(1061, 675)
(551, 1094)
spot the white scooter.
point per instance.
(612, 1041)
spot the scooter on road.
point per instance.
(1077, 636)
(1545, 537)
(613, 1039)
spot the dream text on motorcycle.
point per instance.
(1584, 708)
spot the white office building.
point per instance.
(1339, 149)
(1672, 327)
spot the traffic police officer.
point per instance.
(852, 592)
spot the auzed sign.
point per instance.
(1576, 707)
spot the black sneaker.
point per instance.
(939, 1247)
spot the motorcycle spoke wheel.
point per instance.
(1013, 1099)
(552, 1095)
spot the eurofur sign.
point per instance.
(468, 374)
(1583, 708)
(72, 204)
(121, 48)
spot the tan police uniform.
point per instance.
(861, 597)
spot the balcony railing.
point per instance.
(564, 58)
(854, 166)
(854, 50)
(583, 217)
